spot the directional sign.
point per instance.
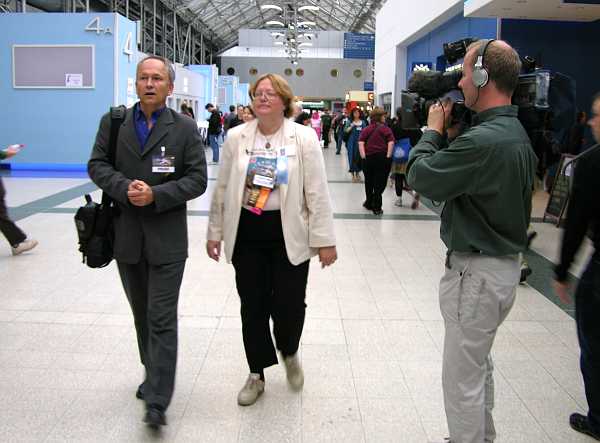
(359, 45)
(368, 86)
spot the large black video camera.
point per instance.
(540, 95)
(427, 87)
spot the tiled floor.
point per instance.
(371, 348)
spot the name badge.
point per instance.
(163, 164)
(263, 180)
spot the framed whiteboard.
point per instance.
(54, 66)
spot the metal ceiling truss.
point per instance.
(169, 29)
(226, 17)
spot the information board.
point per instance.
(53, 66)
(359, 45)
(559, 195)
(368, 86)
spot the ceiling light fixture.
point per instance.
(274, 23)
(308, 8)
(275, 7)
(306, 23)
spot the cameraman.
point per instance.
(485, 177)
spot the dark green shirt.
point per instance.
(485, 176)
(2, 155)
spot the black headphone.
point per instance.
(480, 76)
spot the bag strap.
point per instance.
(373, 132)
(117, 117)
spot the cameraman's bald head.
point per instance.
(501, 61)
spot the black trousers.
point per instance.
(270, 287)
(376, 168)
(153, 293)
(587, 310)
(13, 234)
(399, 183)
(325, 136)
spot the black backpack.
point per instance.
(94, 221)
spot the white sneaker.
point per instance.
(253, 388)
(293, 370)
(24, 246)
(398, 201)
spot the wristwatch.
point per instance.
(427, 128)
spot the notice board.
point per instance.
(53, 66)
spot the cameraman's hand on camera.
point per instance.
(454, 131)
(439, 116)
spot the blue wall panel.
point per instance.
(57, 125)
(568, 47)
(429, 47)
(126, 65)
(210, 72)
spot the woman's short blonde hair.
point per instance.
(281, 87)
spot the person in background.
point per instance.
(185, 110)
(315, 122)
(341, 121)
(583, 216)
(16, 238)
(303, 119)
(270, 232)
(239, 117)
(229, 119)
(398, 170)
(353, 127)
(214, 130)
(325, 127)
(297, 110)
(248, 114)
(375, 146)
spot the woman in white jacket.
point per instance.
(271, 209)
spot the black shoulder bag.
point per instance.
(94, 222)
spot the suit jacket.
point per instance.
(306, 214)
(157, 232)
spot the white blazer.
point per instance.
(306, 214)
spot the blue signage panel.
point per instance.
(368, 86)
(359, 45)
(421, 66)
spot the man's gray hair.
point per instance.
(166, 62)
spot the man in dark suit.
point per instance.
(159, 166)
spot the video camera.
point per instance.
(427, 87)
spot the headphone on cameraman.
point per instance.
(480, 75)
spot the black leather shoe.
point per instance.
(140, 391)
(367, 206)
(378, 211)
(155, 417)
(581, 424)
